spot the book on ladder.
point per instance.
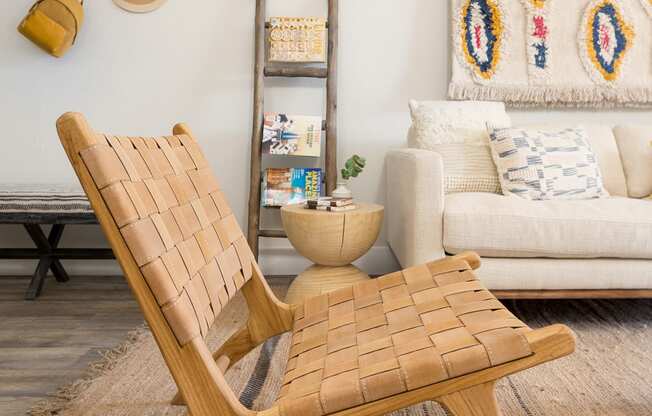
(263, 68)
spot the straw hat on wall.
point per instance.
(139, 6)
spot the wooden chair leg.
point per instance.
(178, 400)
(478, 400)
(236, 347)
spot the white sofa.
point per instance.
(597, 244)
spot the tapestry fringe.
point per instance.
(556, 97)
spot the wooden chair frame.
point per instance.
(199, 374)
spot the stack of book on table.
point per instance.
(331, 204)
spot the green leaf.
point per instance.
(353, 167)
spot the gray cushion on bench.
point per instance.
(44, 203)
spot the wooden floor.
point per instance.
(50, 342)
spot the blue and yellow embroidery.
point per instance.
(607, 39)
(482, 32)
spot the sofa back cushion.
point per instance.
(603, 143)
(457, 130)
(635, 144)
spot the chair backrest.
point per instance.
(174, 218)
(173, 233)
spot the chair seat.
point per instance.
(397, 333)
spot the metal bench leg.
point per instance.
(45, 246)
(35, 286)
(57, 268)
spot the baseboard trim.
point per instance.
(574, 294)
(279, 259)
(73, 267)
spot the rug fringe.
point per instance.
(60, 400)
(555, 97)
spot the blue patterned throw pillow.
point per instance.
(541, 165)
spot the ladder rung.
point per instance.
(272, 233)
(324, 125)
(268, 25)
(298, 71)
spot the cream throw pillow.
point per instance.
(457, 130)
(542, 165)
(636, 154)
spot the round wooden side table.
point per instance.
(332, 240)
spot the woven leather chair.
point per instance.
(431, 332)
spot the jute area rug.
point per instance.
(610, 374)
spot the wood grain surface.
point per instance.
(332, 238)
(50, 342)
(316, 280)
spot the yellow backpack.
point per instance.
(53, 24)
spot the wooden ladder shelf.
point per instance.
(292, 70)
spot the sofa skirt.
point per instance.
(565, 274)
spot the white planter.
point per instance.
(342, 191)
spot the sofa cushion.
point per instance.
(545, 164)
(635, 147)
(602, 140)
(457, 131)
(502, 226)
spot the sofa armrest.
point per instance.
(415, 205)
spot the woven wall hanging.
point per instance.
(583, 53)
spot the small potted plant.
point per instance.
(352, 168)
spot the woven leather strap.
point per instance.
(397, 333)
(177, 224)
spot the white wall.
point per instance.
(192, 61)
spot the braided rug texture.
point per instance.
(610, 374)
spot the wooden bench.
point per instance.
(33, 206)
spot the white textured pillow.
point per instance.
(457, 130)
(540, 165)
